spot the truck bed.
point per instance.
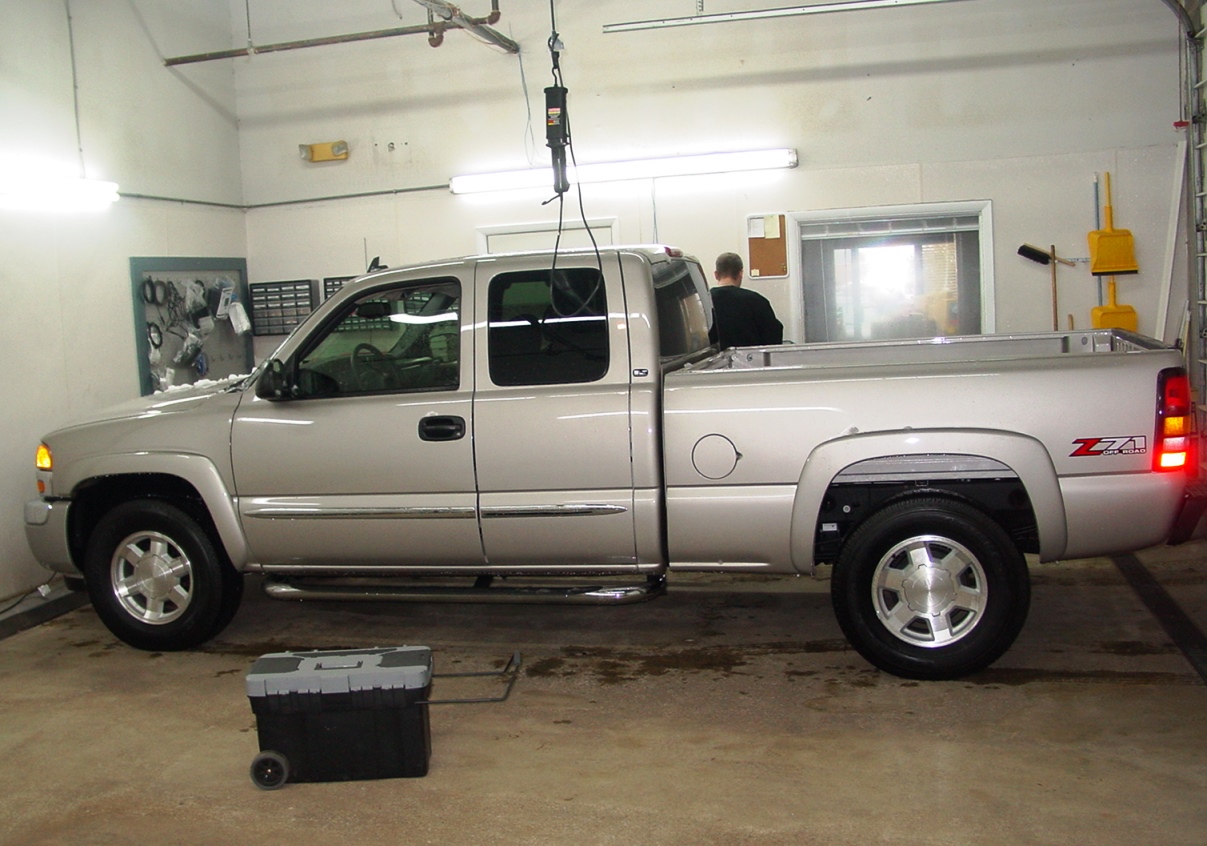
(776, 409)
(960, 348)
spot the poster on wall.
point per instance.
(190, 320)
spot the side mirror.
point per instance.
(274, 383)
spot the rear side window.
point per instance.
(684, 309)
(547, 327)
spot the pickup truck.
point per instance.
(555, 420)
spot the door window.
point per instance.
(547, 327)
(393, 340)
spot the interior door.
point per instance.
(370, 463)
(551, 418)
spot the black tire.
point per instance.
(157, 579)
(269, 770)
(930, 588)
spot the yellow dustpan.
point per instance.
(1112, 251)
(1112, 315)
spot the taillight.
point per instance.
(1174, 444)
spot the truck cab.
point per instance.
(388, 435)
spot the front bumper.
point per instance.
(46, 533)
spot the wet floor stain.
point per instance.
(1134, 647)
(617, 665)
(545, 667)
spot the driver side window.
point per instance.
(389, 340)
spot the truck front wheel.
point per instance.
(930, 588)
(156, 578)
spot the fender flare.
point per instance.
(1024, 455)
(196, 470)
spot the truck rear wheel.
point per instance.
(157, 579)
(930, 588)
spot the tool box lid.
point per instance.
(341, 671)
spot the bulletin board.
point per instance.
(768, 245)
(190, 320)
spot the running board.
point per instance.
(478, 593)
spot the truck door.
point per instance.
(552, 417)
(369, 462)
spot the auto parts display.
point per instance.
(190, 320)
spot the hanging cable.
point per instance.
(557, 134)
(529, 135)
(75, 89)
(559, 139)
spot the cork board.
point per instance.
(768, 245)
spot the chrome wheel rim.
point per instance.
(929, 591)
(152, 578)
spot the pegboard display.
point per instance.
(277, 307)
(190, 321)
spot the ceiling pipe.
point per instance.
(252, 49)
(433, 29)
(481, 27)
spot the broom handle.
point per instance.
(1055, 319)
(1110, 218)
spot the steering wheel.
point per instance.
(371, 369)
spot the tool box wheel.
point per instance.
(270, 770)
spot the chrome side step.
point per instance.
(480, 592)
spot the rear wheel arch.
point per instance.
(847, 506)
(914, 451)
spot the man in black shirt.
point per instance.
(744, 318)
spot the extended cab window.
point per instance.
(547, 327)
(398, 339)
(684, 309)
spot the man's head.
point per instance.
(729, 269)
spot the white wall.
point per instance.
(1019, 102)
(66, 329)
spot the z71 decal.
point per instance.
(1094, 447)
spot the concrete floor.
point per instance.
(729, 712)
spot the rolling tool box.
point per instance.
(347, 714)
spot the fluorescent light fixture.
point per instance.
(696, 165)
(761, 14)
(55, 193)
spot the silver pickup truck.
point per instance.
(531, 416)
